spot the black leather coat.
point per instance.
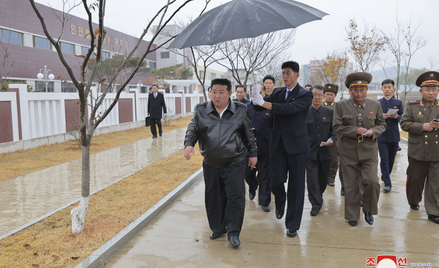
(222, 141)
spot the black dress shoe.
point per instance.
(414, 206)
(314, 212)
(368, 217)
(214, 235)
(433, 218)
(251, 196)
(399, 149)
(291, 233)
(387, 189)
(353, 223)
(331, 184)
(234, 241)
(342, 191)
(154, 137)
(266, 208)
(280, 212)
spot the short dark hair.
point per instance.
(291, 64)
(269, 77)
(264, 88)
(319, 88)
(154, 85)
(245, 90)
(223, 82)
(308, 85)
(388, 81)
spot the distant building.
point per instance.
(22, 34)
(168, 58)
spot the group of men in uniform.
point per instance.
(297, 132)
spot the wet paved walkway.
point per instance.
(26, 198)
(179, 237)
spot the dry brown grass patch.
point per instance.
(50, 243)
(404, 134)
(23, 162)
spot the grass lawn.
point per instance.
(50, 243)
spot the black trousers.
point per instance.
(317, 177)
(387, 155)
(281, 162)
(225, 197)
(262, 179)
(158, 122)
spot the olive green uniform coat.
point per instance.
(423, 153)
(358, 154)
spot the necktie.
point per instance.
(288, 93)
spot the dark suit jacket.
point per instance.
(262, 122)
(289, 119)
(244, 100)
(392, 132)
(155, 105)
(319, 125)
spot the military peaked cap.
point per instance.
(358, 79)
(331, 88)
(428, 78)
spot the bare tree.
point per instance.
(84, 82)
(7, 61)
(244, 57)
(403, 42)
(365, 47)
(273, 68)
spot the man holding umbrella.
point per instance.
(288, 144)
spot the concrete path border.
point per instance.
(104, 253)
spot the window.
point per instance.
(11, 37)
(43, 43)
(164, 55)
(68, 87)
(67, 48)
(212, 76)
(40, 86)
(201, 74)
(84, 50)
(152, 65)
(105, 55)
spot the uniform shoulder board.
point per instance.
(414, 102)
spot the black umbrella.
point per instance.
(243, 19)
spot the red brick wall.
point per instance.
(125, 111)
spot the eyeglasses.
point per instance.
(430, 88)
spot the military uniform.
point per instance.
(335, 161)
(423, 150)
(359, 154)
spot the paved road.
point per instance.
(179, 237)
(26, 198)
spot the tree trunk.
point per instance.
(78, 213)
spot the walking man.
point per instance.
(223, 130)
(360, 122)
(321, 140)
(421, 121)
(261, 122)
(289, 144)
(156, 102)
(240, 94)
(389, 140)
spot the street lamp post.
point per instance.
(46, 75)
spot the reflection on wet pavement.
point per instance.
(28, 197)
(179, 237)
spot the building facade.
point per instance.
(25, 49)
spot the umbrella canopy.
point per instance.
(243, 19)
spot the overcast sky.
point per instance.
(314, 40)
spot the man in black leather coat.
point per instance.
(222, 128)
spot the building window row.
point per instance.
(11, 37)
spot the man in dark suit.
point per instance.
(240, 94)
(321, 138)
(289, 144)
(261, 123)
(156, 102)
(389, 140)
